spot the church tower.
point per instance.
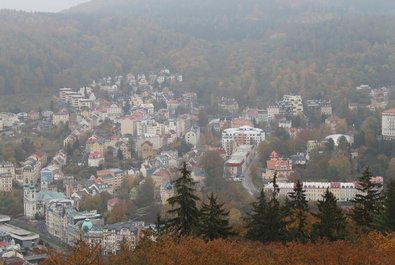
(29, 200)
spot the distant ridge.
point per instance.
(163, 6)
(222, 47)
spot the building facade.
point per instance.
(5, 182)
(296, 102)
(314, 191)
(7, 168)
(388, 124)
(193, 136)
(245, 135)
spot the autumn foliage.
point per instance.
(79, 254)
(373, 248)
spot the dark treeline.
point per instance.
(273, 219)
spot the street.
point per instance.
(247, 180)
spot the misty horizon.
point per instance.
(40, 5)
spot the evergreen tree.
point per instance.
(126, 107)
(119, 155)
(298, 197)
(160, 226)
(385, 222)
(265, 222)
(76, 144)
(368, 202)
(256, 225)
(298, 208)
(214, 222)
(184, 211)
(69, 150)
(332, 221)
(51, 105)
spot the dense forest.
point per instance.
(318, 48)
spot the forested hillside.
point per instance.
(267, 48)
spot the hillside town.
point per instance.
(126, 137)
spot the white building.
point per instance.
(29, 201)
(128, 126)
(272, 111)
(296, 101)
(284, 188)
(166, 192)
(63, 92)
(237, 164)
(56, 218)
(150, 127)
(5, 182)
(193, 136)
(35, 203)
(388, 124)
(95, 159)
(343, 191)
(155, 140)
(233, 137)
(62, 116)
(114, 110)
(85, 103)
(7, 168)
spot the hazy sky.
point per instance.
(39, 5)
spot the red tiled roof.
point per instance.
(274, 154)
(173, 101)
(391, 111)
(91, 140)
(335, 185)
(93, 155)
(279, 165)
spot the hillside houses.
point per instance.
(29, 172)
(281, 166)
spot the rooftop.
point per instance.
(18, 233)
(389, 111)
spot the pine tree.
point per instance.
(298, 197)
(69, 150)
(255, 220)
(385, 222)
(183, 203)
(297, 213)
(214, 222)
(119, 154)
(332, 221)
(126, 107)
(368, 202)
(160, 226)
(265, 222)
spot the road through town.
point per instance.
(247, 182)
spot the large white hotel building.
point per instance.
(245, 135)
